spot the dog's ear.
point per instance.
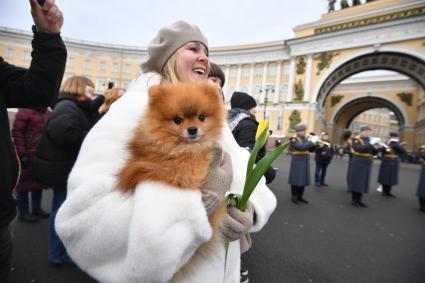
(155, 91)
(211, 89)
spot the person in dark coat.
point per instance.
(66, 127)
(26, 133)
(242, 123)
(37, 86)
(361, 166)
(390, 164)
(421, 186)
(324, 155)
(299, 173)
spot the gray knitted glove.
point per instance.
(218, 181)
(237, 223)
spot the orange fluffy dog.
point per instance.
(175, 141)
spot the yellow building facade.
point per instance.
(293, 78)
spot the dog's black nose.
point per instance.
(192, 130)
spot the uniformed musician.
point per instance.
(299, 174)
(390, 164)
(361, 166)
(347, 149)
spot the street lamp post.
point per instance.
(266, 89)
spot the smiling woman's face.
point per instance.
(192, 64)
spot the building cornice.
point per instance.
(398, 30)
(359, 15)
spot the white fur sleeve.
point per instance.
(145, 236)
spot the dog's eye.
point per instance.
(202, 117)
(178, 120)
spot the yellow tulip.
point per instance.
(264, 124)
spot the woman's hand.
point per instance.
(237, 223)
(218, 181)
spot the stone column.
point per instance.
(238, 78)
(308, 77)
(251, 79)
(277, 84)
(226, 84)
(291, 80)
(263, 81)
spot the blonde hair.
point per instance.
(76, 85)
(169, 72)
(111, 95)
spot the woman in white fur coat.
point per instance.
(149, 234)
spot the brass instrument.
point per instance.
(319, 141)
(378, 143)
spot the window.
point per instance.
(256, 92)
(283, 91)
(70, 62)
(271, 70)
(102, 66)
(286, 69)
(233, 72)
(246, 72)
(279, 123)
(127, 68)
(26, 55)
(259, 71)
(9, 53)
(87, 64)
(125, 84)
(100, 85)
(115, 67)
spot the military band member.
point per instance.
(390, 164)
(348, 148)
(299, 174)
(361, 166)
(421, 186)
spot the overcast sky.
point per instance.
(132, 22)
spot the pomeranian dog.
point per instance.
(175, 143)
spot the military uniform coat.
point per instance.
(360, 166)
(390, 164)
(299, 174)
(421, 186)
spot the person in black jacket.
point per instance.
(324, 155)
(242, 123)
(37, 86)
(66, 127)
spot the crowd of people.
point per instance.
(77, 148)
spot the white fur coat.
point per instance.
(148, 235)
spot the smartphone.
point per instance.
(41, 2)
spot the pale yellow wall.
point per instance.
(79, 60)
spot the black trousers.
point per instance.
(386, 189)
(297, 191)
(357, 197)
(422, 202)
(5, 254)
